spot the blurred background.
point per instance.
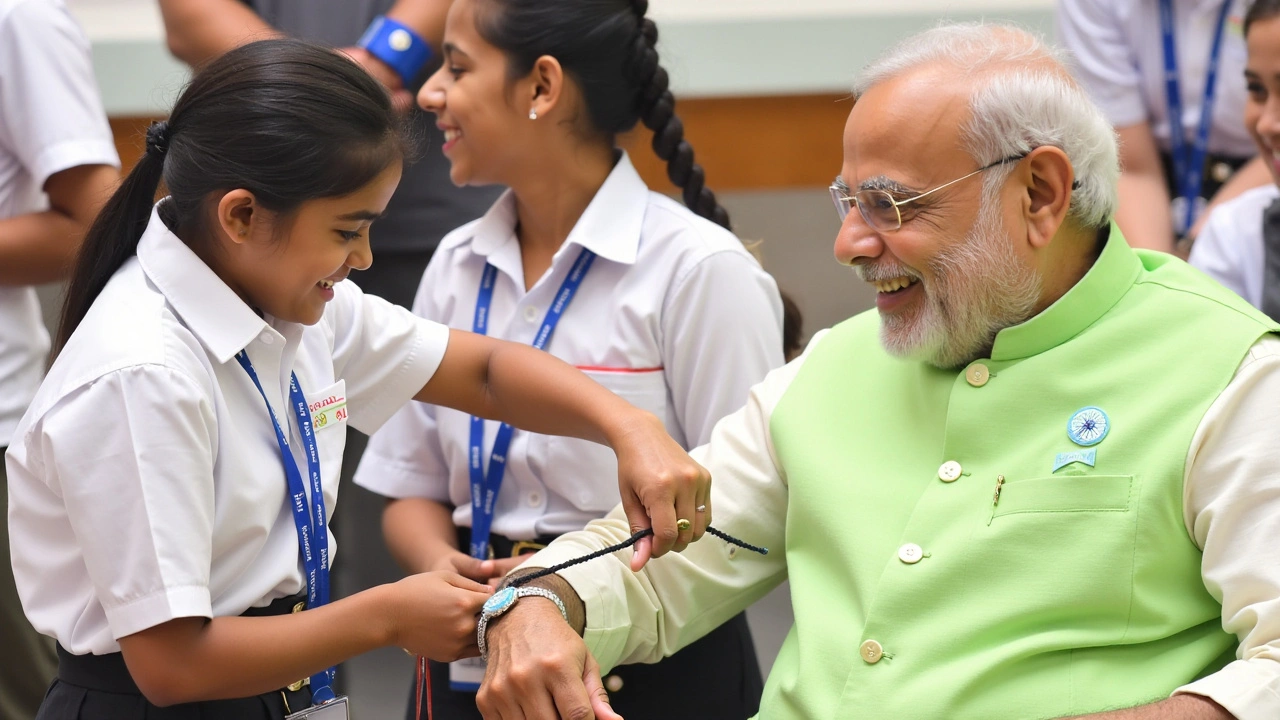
(763, 89)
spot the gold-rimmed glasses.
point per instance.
(881, 211)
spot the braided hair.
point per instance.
(608, 47)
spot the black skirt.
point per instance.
(99, 687)
(715, 678)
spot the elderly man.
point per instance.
(1039, 482)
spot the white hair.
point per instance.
(1024, 99)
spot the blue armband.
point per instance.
(397, 45)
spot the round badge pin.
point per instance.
(1088, 426)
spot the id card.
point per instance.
(335, 709)
(466, 675)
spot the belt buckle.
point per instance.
(520, 547)
(295, 687)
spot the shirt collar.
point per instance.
(609, 227)
(210, 309)
(1111, 276)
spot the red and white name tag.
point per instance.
(329, 411)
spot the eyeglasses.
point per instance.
(881, 211)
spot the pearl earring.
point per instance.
(533, 114)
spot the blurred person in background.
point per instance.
(58, 164)
(1167, 74)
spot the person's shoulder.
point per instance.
(32, 16)
(130, 325)
(459, 238)
(670, 226)
(1242, 213)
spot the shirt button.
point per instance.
(613, 683)
(950, 471)
(733, 551)
(531, 314)
(910, 553)
(535, 499)
(266, 338)
(871, 652)
(977, 375)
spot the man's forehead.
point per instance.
(907, 130)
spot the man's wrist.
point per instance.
(575, 610)
(397, 45)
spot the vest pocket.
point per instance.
(1066, 493)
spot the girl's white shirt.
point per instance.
(675, 316)
(145, 480)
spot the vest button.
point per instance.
(871, 652)
(613, 683)
(910, 553)
(950, 471)
(977, 375)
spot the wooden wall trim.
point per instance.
(743, 143)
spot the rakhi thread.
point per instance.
(525, 579)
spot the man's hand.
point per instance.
(539, 669)
(1178, 707)
(401, 99)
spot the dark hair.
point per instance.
(287, 120)
(607, 46)
(1260, 10)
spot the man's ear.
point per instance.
(237, 212)
(546, 81)
(1048, 177)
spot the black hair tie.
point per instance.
(158, 137)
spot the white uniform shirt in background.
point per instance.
(145, 481)
(1117, 48)
(675, 316)
(1229, 248)
(51, 119)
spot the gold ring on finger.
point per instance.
(683, 524)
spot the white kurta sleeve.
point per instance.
(643, 617)
(721, 334)
(1232, 509)
(132, 457)
(385, 353)
(51, 116)
(1103, 61)
(405, 459)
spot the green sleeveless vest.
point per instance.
(941, 567)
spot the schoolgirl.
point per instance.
(658, 302)
(171, 484)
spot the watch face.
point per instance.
(501, 601)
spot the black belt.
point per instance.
(504, 547)
(108, 673)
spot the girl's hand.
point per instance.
(434, 614)
(660, 485)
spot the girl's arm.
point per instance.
(197, 659)
(535, 391)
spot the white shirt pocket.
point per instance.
(329, 418)
(585, 473)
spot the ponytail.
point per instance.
(113, 237)
(657, 111)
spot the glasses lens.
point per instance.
(842, 202)
(878, 210)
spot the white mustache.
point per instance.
(881, 272)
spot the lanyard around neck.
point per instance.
(308, 515)
(485, 486)
(1189, 159)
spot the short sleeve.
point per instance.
(1103, 60)
(385, 353)
(722, 333)
(51, 115)
(1217, 250)
(405, 459)
(140, 496)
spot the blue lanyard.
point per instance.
(485, 486)
(1188, 162)
(308, 517)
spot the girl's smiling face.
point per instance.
(287, 266)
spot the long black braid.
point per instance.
(657, 108)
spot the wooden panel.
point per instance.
(743, 143)
(754, 143)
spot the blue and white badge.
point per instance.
(1088, 426)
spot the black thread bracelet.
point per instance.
(525, 579)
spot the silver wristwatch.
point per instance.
(504, 600)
